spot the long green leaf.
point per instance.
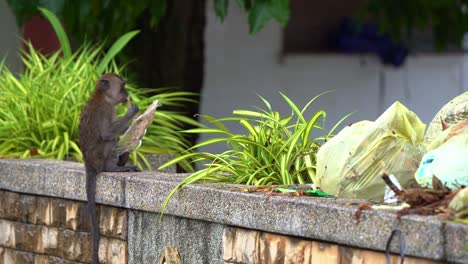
(280, 10)
(215, 121)
(61, 35)
(115, 49)
(294, 107)
(221, 8)
(311, 125)
(259, 15)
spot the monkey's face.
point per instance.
(113, 88)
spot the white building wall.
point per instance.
(239, 66)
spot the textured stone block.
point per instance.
(83, 247)
(20, 235)
(249, 246)
(113, 222)
(121, 226)
(112, 251)
(27, 207)
(27, 237)
(10, 206)
(44, 259)
(324, 253)
(107, 219)
(58, 260)
(198, 242)
(17, 257)
(32, 238)
(58, 212)
(72, 215)
(7, 233)
(2, 202)
(49, 240)
(456, 235)
(46, 177)
(75, 246)
(67, 244)
(43, 211)
(84, 221)
(353, 255)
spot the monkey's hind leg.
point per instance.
(116, 163)
(124, 169)
(123, 158)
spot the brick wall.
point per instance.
(36, 229)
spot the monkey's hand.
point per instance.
(133, 110)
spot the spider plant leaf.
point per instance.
(313, 100)
(75, 147)
(310, 125)
(338, 124)
(310, 168)
(249, 127)
(294, 107)
(59, 31)
(215, 121)
(177, 160)
(209, 142)
(267, 104)
(118, 45)
(249, 113)
(203, 130)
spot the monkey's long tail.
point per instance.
(91, 195)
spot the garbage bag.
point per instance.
(460, 201)
(351, 163)
(447, 159)
(450, 114)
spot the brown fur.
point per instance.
(98, 135)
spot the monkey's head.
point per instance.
(112, 88)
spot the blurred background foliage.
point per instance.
(169, 51)
(97, 20)
(446, 19)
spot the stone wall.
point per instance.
(242, 246)
(42, 221)
(38, 229)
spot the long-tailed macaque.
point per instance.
(98, 136)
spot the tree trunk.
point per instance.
(172, 55)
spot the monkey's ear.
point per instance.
(104, 84)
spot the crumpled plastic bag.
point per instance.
(351, 163)
(447, 159)
(450, 114)
(460, 201)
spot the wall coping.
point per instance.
(327, 219)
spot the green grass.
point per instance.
(274, 149)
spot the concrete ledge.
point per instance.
(314, 218)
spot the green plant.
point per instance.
(103, 19)
(41, 106)
(274, 150)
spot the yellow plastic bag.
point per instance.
(460, 201)
(352, 162)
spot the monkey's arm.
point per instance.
(118, 127)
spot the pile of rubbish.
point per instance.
(425, 172)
